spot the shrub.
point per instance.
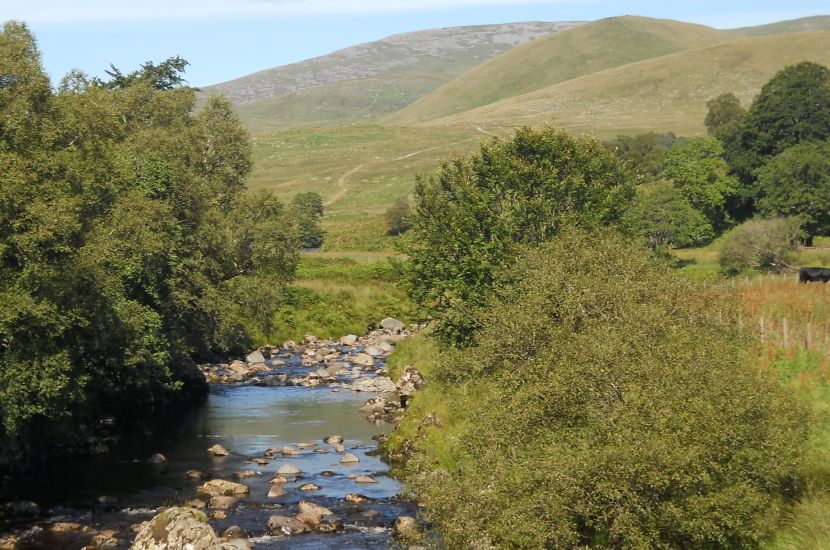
(471, 215)
(664, 217)
(398, 217)
(761, 244)
(609, 403)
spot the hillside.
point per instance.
(559, 57)
(805, 24)
(663, 94)
(368, 80)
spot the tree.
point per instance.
(793, 107)
(471, 215)
(127, 245)
(725, 114)
(398, 216)
(644, 152)
(608, 402)
(700, 173)
(167, 75)
(666, 219)
(761, 244)
(308, 211)
(796, 182)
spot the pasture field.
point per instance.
(358, 170)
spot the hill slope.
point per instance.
(557, 58)
(663, 94)
(372, 79)
(805, 24)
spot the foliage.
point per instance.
(796, 182)
(471, 215)
(609, 402)
(761, 244)
(126, 244)
(724, 116)
(398, 217)
(164, 76)
(307, 208)
(644, 152)
(666, 219)
(793, 107)
(699, 172)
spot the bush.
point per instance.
(398, 217)
(609, 403)
(664, 217)
(761, 244)
(471, 215)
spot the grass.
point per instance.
(358, 170)
(667, 93)
(557, 58)
(338, 295)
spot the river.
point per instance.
(118, 490)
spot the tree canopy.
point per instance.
(471, 215)
(308, 210)
(127, 244)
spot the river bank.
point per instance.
(278, 413)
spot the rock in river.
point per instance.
(222, 487)
(312, 514)
(179, 528)
(393, 325)
(218, 450)
(349, 458)
(286, 525)
(288, 469)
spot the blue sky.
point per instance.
(225, 39)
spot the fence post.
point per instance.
(786, 332)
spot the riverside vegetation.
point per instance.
(580, 392)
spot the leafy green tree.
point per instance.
(796, 182)
(127, 245)
(167, 75)
(398, 217)
(700, 173)
(644, 152)
(308, 211)
(473, 213)
(666, 219)
(725, 114)
(793, 107)
(607, 402)
(766, 245)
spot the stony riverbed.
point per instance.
(281, 455)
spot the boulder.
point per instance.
(288, 469)
(276, 491)
(373, 385)
(178, 528)
(363, 359)
(284, 525)
(222, 502)
(375, 404)
(410, 381)
(22, 509)
(349, 458)
(357, 498)
(157, 458)
(255, 357)
(65, 527)
(278, 479)
(309, 487)
(196, 475)
(349, 340)
(365, 479)
(245, 474)
(218, 450)
(312, 514)
(338, 447)
(105, 539)
(406, 530)
(392, 325)
(373, 351)
(332, 439)
(222, 487)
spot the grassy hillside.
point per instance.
(805, 24)
(559, 57)
(372, 79)
(663, 94)
(358, 170)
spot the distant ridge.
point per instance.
(559, 57)
(805, 24)
(365, 81)
(667, 93)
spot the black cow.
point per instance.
(813, 274)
